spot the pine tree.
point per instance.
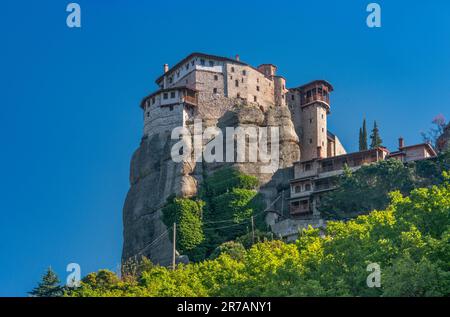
(363, 137)
(375, 137)
(49, 286)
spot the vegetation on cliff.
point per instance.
(368, 188)
(222, 212)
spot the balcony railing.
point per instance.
(193, 100)
(302, 209)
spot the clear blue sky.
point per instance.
(70, 116)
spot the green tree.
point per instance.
(375, 137)
(374, 182)
(49, 286)
(363, 137)
(187, 214)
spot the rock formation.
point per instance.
(154, 176)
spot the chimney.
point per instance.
(401, 143)
(237, 57)
(166, 68)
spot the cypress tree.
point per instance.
(375, 138)
(360, 139)
(363, 142)
(49, 286)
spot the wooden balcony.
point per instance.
(192, 100)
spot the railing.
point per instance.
(307, 100)
(300, 210)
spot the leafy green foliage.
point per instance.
(234, 249)
(410, 240)
(227, 201)
(187, 214)
(49, 286)
(367, 188)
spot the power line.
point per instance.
(153, 242)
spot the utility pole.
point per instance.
(174, 245)
(253, 230)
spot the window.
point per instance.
(170, 80)
(322, 130)
(232, 69)
(202, 62)
(244, 72)
(192, 63)
(293, 97)
(187, 66)
(310, 141)
(307, 167)
(308, 94)
(215, 90)
(297, 189)
(257, 80)
(255, 99)
(231, 77)
(211, 63)
(148, 114)
(322, 115)
(238, 95)
(307, 187)
(216, 77)
(166, 95)
(178, 73)
(242, 80)
(295, 204)
(236, 83)
(171, 108)
(310, 121)
(172, 94)
(257, 88)
(153, 100)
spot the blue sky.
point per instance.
(70, 116)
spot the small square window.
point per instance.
(310, 141)
(236, 83)
(257, 88)
(211, 63)
(216, 77)
(148, 114)
(293, 97)
(232, 69)
(202, 62)
(166, 95)
(244, 72)
(307, 187)
(172, 94)
(215, 90)
(171, 108)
